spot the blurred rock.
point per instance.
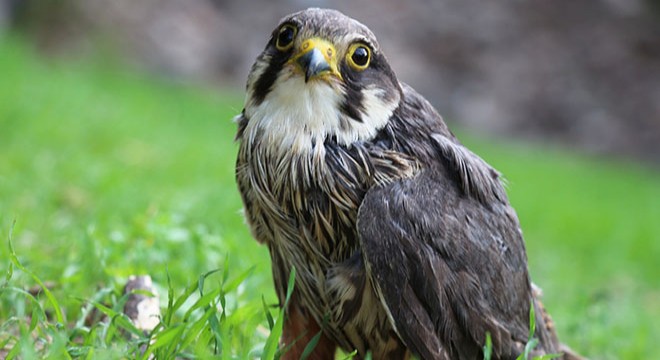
(585, 73)
(143, 304)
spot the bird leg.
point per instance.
(298, 330)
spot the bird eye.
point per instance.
(285, 37)
(359, 56)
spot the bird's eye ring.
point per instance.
(285, 37)
(359, 56)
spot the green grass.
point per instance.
(108, 173)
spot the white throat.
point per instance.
(295, 115)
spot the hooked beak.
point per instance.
(317, 58)
(313, 64)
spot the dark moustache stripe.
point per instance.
(265, 82)
(352, 105)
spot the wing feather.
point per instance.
(448, 268)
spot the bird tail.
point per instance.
(546, 331)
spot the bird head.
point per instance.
(322, 77)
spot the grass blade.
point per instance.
(270, 348)
(202, 279)
(14, 259)
(202, 302)
(118, 318)
(235, 282)
(311, 346)
(167, 337)
(291, 284)
(350, 356)
(196, 328)
(9, 274)
(532, 320)
(269, 317)
(531, 344)
(167, 319)
(488, 348)
(548, 356)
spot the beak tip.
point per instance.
(313, 64)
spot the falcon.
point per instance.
(403, 240)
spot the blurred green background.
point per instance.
(113, 163)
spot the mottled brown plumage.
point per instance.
(403, 240)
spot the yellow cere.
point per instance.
(325, 47)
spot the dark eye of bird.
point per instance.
(285, 37)
(360, 56)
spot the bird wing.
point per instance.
(447, 266)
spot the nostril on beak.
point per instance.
(313, 63)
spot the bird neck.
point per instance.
(296, 116)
